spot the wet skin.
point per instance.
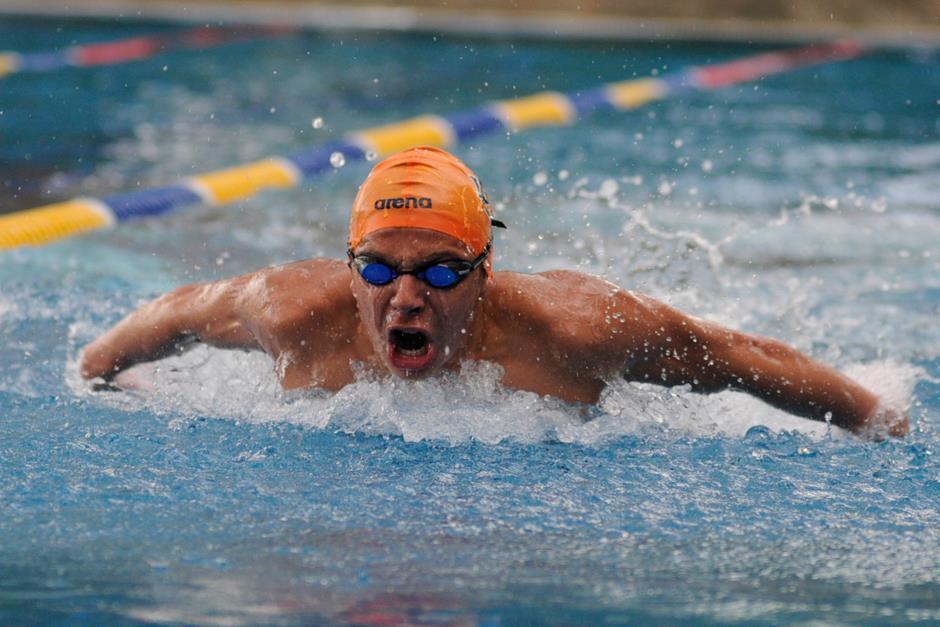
(559, 333)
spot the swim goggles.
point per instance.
(438, 274)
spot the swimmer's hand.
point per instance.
(99, 362)
(105, 386)
(138, 379)
(106, 362)
(98, 365)
(884, 421)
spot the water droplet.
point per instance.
(317, 122)
(337, 159)
(608, 189)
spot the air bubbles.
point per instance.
(707, 165)
(317, 123)
(678, 143)
(372, 155)
(337, 160)
(759, 435)
(540, 179)
(563, 175)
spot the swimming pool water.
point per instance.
(802, 206)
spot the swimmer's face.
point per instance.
(415, 329)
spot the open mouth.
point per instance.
(409, 349)
(409, 342)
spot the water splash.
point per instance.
(452, 408)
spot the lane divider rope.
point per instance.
(51, 222)
(132, 49)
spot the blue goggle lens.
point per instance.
(377, 273)
(440, 276)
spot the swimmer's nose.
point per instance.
(410, 295)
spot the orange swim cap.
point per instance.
(423, 188)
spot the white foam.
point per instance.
(454, 408)
(6, 307)
(892, 381)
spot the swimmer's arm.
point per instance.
(209, 313)
(683, 350)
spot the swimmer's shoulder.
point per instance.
(563, 304)
(317, 275)
(545, 292)
(301, 297)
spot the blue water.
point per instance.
(803, 207)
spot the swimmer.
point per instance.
(417, 295)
